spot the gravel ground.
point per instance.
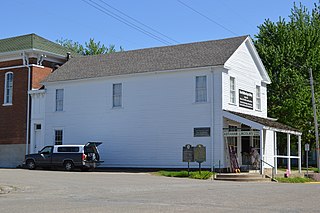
(58, 191)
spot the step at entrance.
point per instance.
(244, 177)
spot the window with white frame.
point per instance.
(201, 88)
(258, 97)
(117, 95)
(8, 88)
(232, 90)
(58, 136)
(59, 99)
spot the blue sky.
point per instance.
(78, 21)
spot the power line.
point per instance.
(150, 28)
(124, 21)
(206, 17)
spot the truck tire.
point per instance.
(68, 165)
(31, 164)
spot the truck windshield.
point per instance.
(46, 150)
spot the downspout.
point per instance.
(26, 64)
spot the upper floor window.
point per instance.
(258, 97)
(58, 136)
(201, 88)
(117, 95)
(59, 99)
(8, 88)
(232, 90)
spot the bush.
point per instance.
(184, 174)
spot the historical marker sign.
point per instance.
(200, 153)
(245, 99)
(188, 153)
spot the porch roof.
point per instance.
(260, 123)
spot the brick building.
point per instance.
(24, 62)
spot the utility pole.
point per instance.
(315, 118)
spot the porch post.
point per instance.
(275, 152)
(261, 151)
(299, 153)
(288, 153)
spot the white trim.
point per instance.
(25, 59)
(257, 60)
(7, 104)
(262, 136)
(20, 66)
(212, 120)
(288, 151)
(40, 91)
(13, 67)
(33, 50)
(282, 130)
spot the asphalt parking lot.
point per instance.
(58, 191)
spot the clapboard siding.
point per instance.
(157, 117)
(242, 66)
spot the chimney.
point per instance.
(68, 56)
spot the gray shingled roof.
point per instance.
(192, 55)
(265, 121)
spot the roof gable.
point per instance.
(256, 60)
(192, 55)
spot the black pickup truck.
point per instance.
(69, 157)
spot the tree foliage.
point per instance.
(90, 48)
(288, 49)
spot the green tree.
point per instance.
(288, 49)
(90, 48)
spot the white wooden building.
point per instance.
(145, 105)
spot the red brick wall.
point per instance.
(38, 75)
(13, 118)
(13, 123)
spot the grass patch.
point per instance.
(316, 170)
(184, 174)
(293, 180)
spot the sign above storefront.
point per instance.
(228, 133)
(245, 99)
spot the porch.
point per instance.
(251, 143)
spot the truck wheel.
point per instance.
(68, 165)
(31, 164)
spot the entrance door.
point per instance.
(37, 138)
(245, 150)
